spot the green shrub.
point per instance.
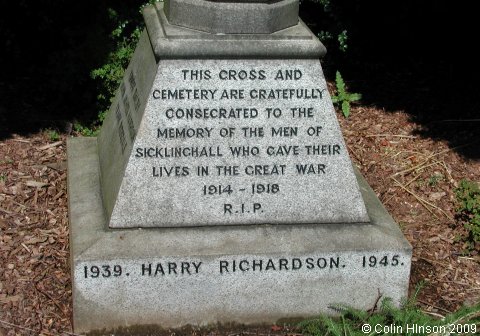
(332, 28)
(468, 211)
(85, 131)
(52, 134)
(128, 28)
(111, 73)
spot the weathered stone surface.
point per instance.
(304, 268)
(123, 119)
(173, 275)
(233, 17)
(226, 142)
(173, 42)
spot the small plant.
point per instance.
(343, 98)
(325, 36)
(3, 177)
(342, 41)
(6, 161)
(434, 179)
(85, 131)
(52, 135)
(468, 211)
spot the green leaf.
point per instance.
(468, 210)
(342, 41)
(354, 96)
(340, 83)
(346, 108)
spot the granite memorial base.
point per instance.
(200, 275)
(220, 187)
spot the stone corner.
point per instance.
(175, 42)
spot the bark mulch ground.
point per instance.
(415, 178)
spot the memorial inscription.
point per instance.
(237, 266)
(236, 280)
(239, 143)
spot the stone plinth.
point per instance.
(171, 41)
(233, 17)
(220, 187)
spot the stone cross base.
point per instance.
(233, 17)
(175, 41)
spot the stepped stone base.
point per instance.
(201, 275)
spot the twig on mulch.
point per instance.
(433, 314)
(433, 306)
(432, 156)
(406, 185)
(467, 258)
(16, 326)
(412, 180)
(48, 296)
(433, 262)
(354, 154)
(5, 323)
(419, 165)
(423, 202)
(6, 211)
(429, 165)
(375, 305)
(55, 144)
(467, 317)
(391, 135)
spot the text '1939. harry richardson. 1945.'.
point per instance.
(242, 265)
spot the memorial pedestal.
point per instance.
(220, 189)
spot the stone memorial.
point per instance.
(220, 187)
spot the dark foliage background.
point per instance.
(48, 49)
(409, 55)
